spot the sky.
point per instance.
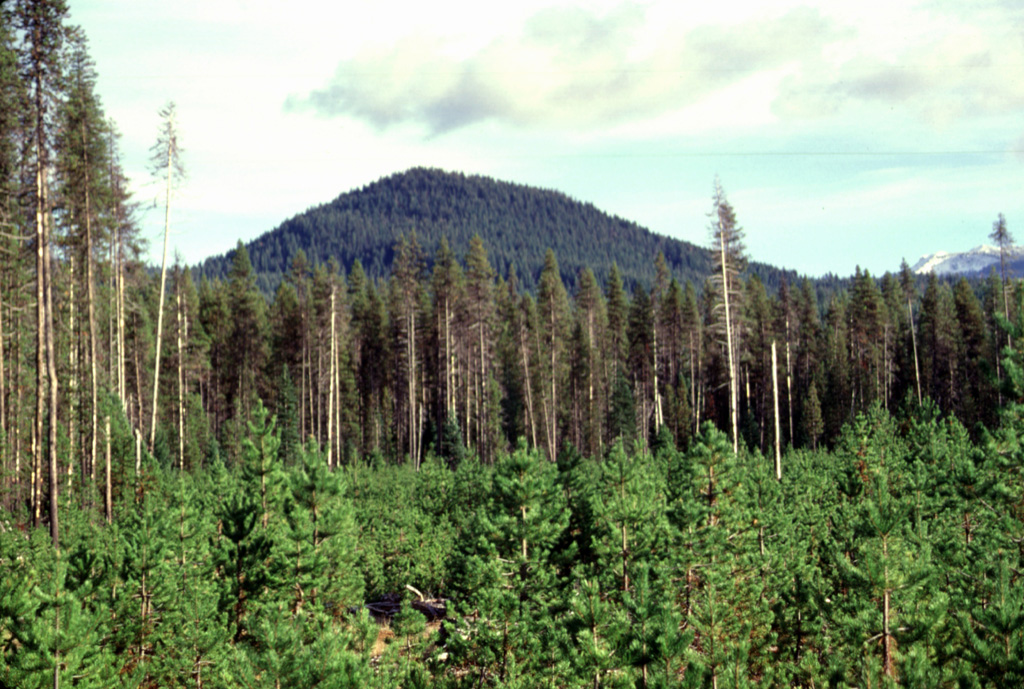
(844, 134)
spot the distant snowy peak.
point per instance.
(978, 259)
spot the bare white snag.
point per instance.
(167, 152)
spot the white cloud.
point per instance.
(565, 68)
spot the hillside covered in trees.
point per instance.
(434, 476)
(518, 224)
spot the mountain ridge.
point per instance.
(517, 223)
(973, 263)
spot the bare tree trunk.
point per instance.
(338, 437)
(122, 375)
(181, 388)
(37, 428)
(553, 417)
(590, 384)
(659, 417)
(91, 299)
(108, 493)
(913, 340)
(481, 446)
(733, 383)
(73, 380)
(330, 397)
(138, 377)
(529, 395)
(318, 413)
(51, 372)
(789, 383)
(413, 449)
(163, 287)
(775, 396)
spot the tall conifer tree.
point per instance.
(729, 261)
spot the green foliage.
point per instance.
(518, 224)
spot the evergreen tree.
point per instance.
(241, 555)
(246, 344)
(813, 424)
(261, 466)
(552, 312)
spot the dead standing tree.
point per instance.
(166, 163)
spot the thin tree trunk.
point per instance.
(122, 375)
(108, 492)
(775, 397)
(73, 380)
(330, 398)
(413, 449)
(318, 413)
(138, 375)
(51, 372)
(181, 387)
(693, 387)
(553, 417)
(590, 383)
(529, 395)
(481, 446)
(449, 405)
(789, 383)
(733, 384)
(41, 371)
(91, 299)
(659, 418)
(163, 287)
(913, 341)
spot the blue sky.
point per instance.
(844, 136)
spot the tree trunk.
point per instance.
(775, 397)
(73, 379)
(659, 417)
(913, 341)
(330, 398)
(733, 383)
(108, 493)
(553, 417)
(413, 425)
(181, 387)
(529, 394)
(91, 299)
(51, 372)
(789, 384)
(37, 428)
(163, 286)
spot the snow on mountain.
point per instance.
(978, 259)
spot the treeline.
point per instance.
(460, 353)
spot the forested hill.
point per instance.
(517, 223)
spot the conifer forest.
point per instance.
(440, 477)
